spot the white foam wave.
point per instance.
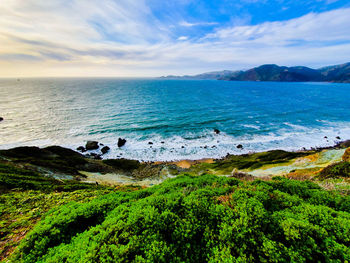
(207, 144)
(210, 145)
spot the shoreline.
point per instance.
(187, 162)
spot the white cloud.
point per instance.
(116, 38)
(188, 24)
(182, 38)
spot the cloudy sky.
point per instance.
(161, 37)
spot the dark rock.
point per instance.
(150, 142)
(182, 147)
(81, 149)
(161, 142)
(91, 145)
(239, 146)
(216, 131)
(325, 137)
(121, 142)
(105, 149)
(205, 147)
(101, 144)
(1, 118)
(338, 138)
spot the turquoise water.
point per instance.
(180, 113)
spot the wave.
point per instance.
(207, 144)
(204, 144)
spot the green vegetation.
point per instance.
(197, 219)
(247, 161)
(123, 164)
(25, 196)
(341, 169)
(190, 218)
(12, 177)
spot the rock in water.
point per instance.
(105, 149)
(346, 155)
(121, 142)
(150, 142)
(91, 145)
(216, 131)
(81, 149)
(1, 118)
(338, 138)
(239, 146)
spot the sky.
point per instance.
(145, 38)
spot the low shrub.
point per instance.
(198, 219)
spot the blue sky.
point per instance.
(153, 37)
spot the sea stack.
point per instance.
(121, 142)
(216, 131)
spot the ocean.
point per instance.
(177, 116)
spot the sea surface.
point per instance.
(177, 116)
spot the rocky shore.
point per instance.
(86, 165)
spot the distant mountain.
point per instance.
(272, 72)
(208, 75)
(277, 73)
(337, 73)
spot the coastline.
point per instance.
(63, 163)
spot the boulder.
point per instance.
(105, 149)
(239, 146)
(121, 142)
(81, 149)
(150, 142)
(346, 155)
(216, 131)
(91, 145)
(338, 138)
(1, 118)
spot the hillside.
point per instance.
(195, 217)
(272, 72)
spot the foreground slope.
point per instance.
(198, 219)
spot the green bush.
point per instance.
(197, 219)
(341, 169)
